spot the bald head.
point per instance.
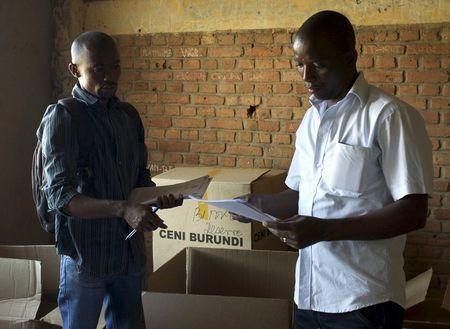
(90, 42)
(330, 27)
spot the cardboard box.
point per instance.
(222, 288)
(196, 224)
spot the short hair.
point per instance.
(90, 40)
(330, 25)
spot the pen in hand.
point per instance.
(133, 232)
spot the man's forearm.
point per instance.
(85, 207)
(403, 216)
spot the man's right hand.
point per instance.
(141, 217)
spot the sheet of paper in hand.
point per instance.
(238, 207)
(149, 195)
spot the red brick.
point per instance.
(446, 227)
(440, 186)
(226, 88)
(226, 136)
(208, 135)
(445, 34)
(426, 76)
(440, 103)
(430, 61)
(139, 63)
(281, 64)
(264, 37)
(156, 52)
(227, 64)
(161, 75)
(429, 90)
(446, 90)
(173, 64)
(264, 138)
(246, 88)
(224, 124)
(244, 137)
(282, 139)
(174, 99)
(383, 49)
(282, 88)
(140, 86)
(244, 38)
(129, 51)
(172, 109)
(174, 87)
(384, 76)
(430, 117)
(124, 40)
(292, 75)
(263, 89)
(249, 100)
(188, 111)
(385, 62)
(129, 75)
(386, 36)
(156, 156)
(189, 123)
(206, 111)
(407, 61)
(443, 159)
(190, 76)
(416, 102)
(232, 51)
(173, 158)
(227, 161)
(245, 64)
(208, 88)
(442, 214)
(208, 160)
(158, 39)
(431, 34)
(225, 112)
(208, 39)
(174, 39)
(263, 63)
(175, 146)
(208, 99)
(157, 133)
(208, 148)
(159, 122)
(279, 151)
(244, 150)
(289, 126)
(365, 62)
(189, 52)
(365, 36)
(432, 226)
(244, 162)
(428, 48)
(261, 76)
(157, 85)
(225, 76)
(142, 98)
(126, 63)
(189, 134)
(173, 134)
(407, 90)
(190, 87)
(191, 64)
(191, 39)
(209, 64)
(259, 51)
(282, 38)
(270, 126)
(155, 110)
(283, 101)
(287, 51)
(225, 39)
(191, 159)
(281, 113)
(409, 35)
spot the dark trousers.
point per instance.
(385, 315)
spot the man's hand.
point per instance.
(141, 217)
(298, 231)
(254, 200)
(169, 201)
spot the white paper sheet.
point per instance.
(239, 207)
(149, 195)
(417, 287)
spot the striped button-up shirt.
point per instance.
(100, 153)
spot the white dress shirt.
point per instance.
(359, 155)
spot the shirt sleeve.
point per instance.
(60, 151)
(144, 179)
(406, 160)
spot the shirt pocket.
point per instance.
(345, 169)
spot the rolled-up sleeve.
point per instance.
(60, 151)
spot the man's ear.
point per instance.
(74, 70)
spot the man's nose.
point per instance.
(308, 73)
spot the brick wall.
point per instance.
(235, 99)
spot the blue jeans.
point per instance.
(385, 315)
(81, 297)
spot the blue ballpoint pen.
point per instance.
(154, 209)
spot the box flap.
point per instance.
(20, 288)
(416, 288)
(220, 175)
(171, 277)
(446, 301)
(245, 273)
(46, 254)
(174, 311)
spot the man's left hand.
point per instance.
(169, 201)
(298, 231)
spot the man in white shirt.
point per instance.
(358, 182)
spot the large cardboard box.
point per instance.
(222, 288)
(197, 224)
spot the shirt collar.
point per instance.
(359, 89)
(84, 96)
